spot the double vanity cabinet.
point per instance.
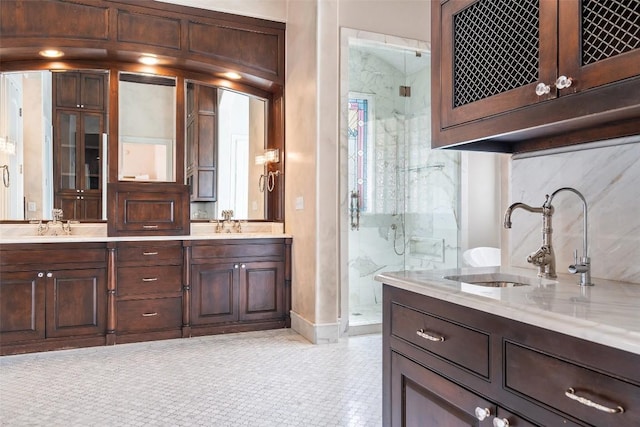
(447, 364)
(65, 295)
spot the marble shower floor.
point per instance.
(267, 378)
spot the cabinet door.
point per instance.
(67, 89)
(76, 302)
(214, 297)
(261, 290)
(493, 55)
(67, 150)
(599, 42)
(202, 144)
(78, 166)
(419, 397)
(80, 90)
(22, 307)
(92, 91)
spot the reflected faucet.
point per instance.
(584, 266)
(544, 258)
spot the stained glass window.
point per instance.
(358, 137)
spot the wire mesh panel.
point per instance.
(609, 28)
(496, 45)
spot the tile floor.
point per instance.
(269, 378)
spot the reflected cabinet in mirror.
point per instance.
(226, 132)
(53, 144)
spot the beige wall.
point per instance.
(312, 134)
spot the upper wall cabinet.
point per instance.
(533, 74)
(85, 90)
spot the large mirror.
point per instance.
(225, 143)
(146, 128)
(45, 165)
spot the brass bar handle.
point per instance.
(428, 336)
(571, 394)
(155, 313)
(149, 227)
(149, 253)
(149, 279)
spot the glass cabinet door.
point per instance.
(67, 150)
(92, 130)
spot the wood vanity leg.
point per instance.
(186, 290)
(287, 282)
(111, 294)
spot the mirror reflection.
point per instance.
(53, 139)
(221, 167)
(146, 128)
(53, 144)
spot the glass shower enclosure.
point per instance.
(399, 198)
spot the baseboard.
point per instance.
(316, 333)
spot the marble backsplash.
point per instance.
(609, 178)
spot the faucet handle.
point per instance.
(575, 257)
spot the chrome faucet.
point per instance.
(584, 266)
(544, 258)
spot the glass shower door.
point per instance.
(402, 197)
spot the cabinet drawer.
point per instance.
(150, 255)
(149, 280)
(458, 344)
(149, 314)
(244, 250)
(547, 379)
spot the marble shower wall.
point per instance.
(609, 179)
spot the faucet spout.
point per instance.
(513, 207)
(582, 266)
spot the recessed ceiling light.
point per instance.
(232, 75)
(148, 59)
(51, 53)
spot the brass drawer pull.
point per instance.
(427, 336)
(149, 279)
(149, 227)
(570, 393)
(149, 253)
(155, 313)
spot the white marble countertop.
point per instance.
(97, 232)
(607, 313)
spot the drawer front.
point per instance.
(149, 280)
(149, 315)
(465, 347)
(245, 250)
(50, 254)
(150, 255)
(549, 380)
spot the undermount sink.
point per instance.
(495, 280)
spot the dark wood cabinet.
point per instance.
(22, 306)
(148, 209)
(149, 290)
(497, 70)
(66, 295)
(201, 143)
(80, 90)
(79, 125)
(448, 365)
(239, 285)
(52, 297)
